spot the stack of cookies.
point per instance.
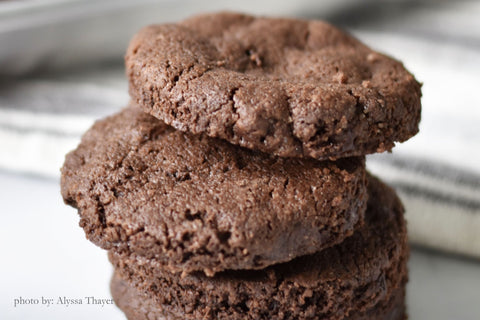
(234, 185)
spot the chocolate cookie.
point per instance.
(361, 278)
(197, 203)
(138, 305)
(293, 88)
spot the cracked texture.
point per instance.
(361, 278)
(138, 305)
(196, 203)
(292, 88)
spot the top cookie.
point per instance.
(292, 88)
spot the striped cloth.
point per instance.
(437, 173)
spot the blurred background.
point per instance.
(61, 67)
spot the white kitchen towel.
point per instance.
(437, 173)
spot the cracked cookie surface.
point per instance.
(197, 203)
(293, 88)
(361, 278)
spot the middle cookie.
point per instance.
(197, 203)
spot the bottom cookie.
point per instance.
(137, 305)
(362, 278)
